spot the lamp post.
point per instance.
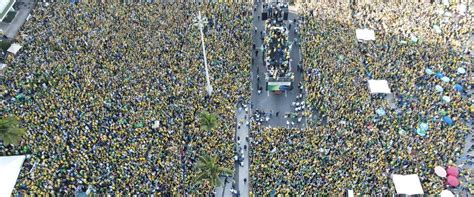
(200, 22)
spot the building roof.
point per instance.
(5, 5)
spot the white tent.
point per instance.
(446, 193)
(2, 66)
(350, 193)
(407, 184)
(379, 86)
(14, 48)
(9, 169)
(365, 34)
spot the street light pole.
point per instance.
(200, 22)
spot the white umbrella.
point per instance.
(437, 29)
(445, 79)
(446, 193)
(461, 70)
(155, 125)
(380, 112)
(402, 132)
(440, 171)
(446, 99)
(439, 88)
(428, 71)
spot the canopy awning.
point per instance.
(9, 169)
(407, 184)
(379, 86)
(14, 48)
(365, 34)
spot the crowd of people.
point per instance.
(351, 144)
(110, 95)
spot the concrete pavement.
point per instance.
(228, 186)
(242, 147)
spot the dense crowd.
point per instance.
(359, 139)
(90, 81)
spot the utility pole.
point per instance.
(200, 23)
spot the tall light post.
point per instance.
(200, 22)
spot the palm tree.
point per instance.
(208, 121)
(209, 170)
(10, 132)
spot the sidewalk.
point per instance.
(243, 125)
(228, 186)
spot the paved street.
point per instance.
(242, 147)
(267, 101)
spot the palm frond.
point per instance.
(10, 132)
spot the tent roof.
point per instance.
(279, 83)
(14, 48)
(9, 169)
(379, 86)
(365, 34)
(407, 184)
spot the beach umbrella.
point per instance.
(402, 132)
(443, 112)
(428, 71)
(453, 171)
(155, 125)
(448, 120)
(452, 181)
(439, 88)
(424, 126)
(440, 171)
(421, 132)
(446, 99)
(445, 79)
(461, 70)
(340, 57)
(380, 112)
(446, 193)
(458, 87)
(437, 29)
(439, 75)
(139, 125)
(20, 96)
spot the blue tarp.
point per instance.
(422, 128)
(448, 120)
(439, 75)
(458, 87)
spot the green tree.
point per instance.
(10, 131)
(209, 170)
(208, 121)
